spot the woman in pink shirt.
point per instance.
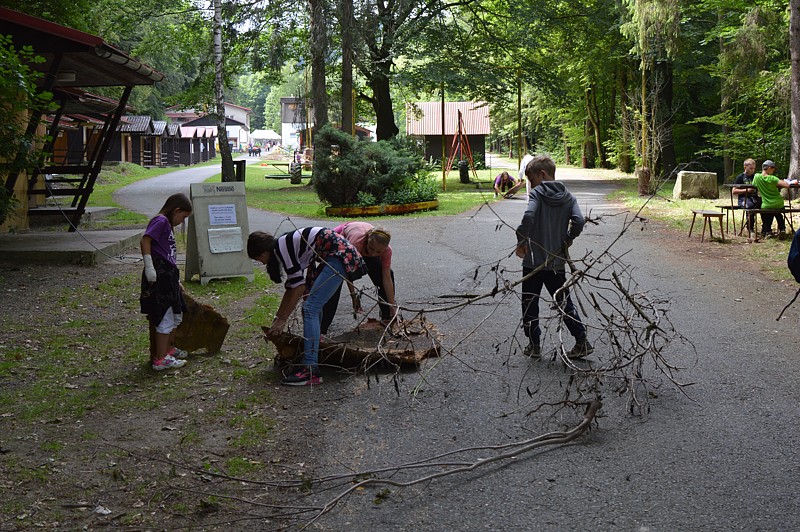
(373, 245)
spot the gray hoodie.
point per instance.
(552, 218)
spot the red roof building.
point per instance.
(424, 120)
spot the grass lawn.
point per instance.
(278, 195)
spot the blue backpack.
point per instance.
(793, 260)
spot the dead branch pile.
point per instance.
(408, 343)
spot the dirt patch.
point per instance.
(90, 436)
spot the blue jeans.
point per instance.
(325, 285)
(531, 288)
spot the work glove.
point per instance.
(149, 269)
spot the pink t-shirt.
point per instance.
(356, 234)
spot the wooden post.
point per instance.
(444, 159)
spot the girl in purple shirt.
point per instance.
(161, 294)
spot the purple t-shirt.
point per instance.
(163, 244)
(499, 180)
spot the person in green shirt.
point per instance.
(768, 186)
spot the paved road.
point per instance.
(724, 459)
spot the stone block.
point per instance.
(696, 185)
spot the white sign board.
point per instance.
(222, 214)
(217, 230)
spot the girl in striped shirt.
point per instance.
(329, 260)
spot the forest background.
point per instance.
(664, 84)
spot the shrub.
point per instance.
(352, 172)
(19, 150)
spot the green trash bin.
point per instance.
(463, 171)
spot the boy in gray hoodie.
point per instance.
(551, 221)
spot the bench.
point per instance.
(786, 212)
(730, 212)
(707, 217)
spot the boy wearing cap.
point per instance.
(768, 185)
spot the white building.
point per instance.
(296, 117)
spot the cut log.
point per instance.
(410, 343)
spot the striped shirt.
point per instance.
(298, 250)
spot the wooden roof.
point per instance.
(425, 118)
(136, 124)
(85, 60)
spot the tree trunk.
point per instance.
(319, 48)
(727, 160)
(625, 121)
(594, 122)
(382, 103)
(664, 118)
(219, 96)
(588, 155)
(346, 21)
(794, 46)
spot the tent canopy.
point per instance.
(264, 134)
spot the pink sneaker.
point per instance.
(168, 362)
(177, 353)
(306, 376)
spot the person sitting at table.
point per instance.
(769, 186)
(748, 197)
(504, 181)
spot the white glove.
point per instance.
(149, 269)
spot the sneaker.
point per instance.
(306, 376)
(581, 350)
(178, 353)
(783, 236)
(168, 362)
(533, 350)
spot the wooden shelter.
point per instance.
(72, 60)
(424, 120)
(188, 146)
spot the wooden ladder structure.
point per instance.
(75, 181)
(460, 145)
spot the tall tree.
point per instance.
(318, 45)
(346, 25)
(219, 94)
(385, 31)
(794, 47)
(654, 31)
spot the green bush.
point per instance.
(352, 172)
(18, 96)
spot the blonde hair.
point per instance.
(381, 235)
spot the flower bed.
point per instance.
(378, 210)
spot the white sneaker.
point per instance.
(168, 362)
(178, 353)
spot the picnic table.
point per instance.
(787, 211)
